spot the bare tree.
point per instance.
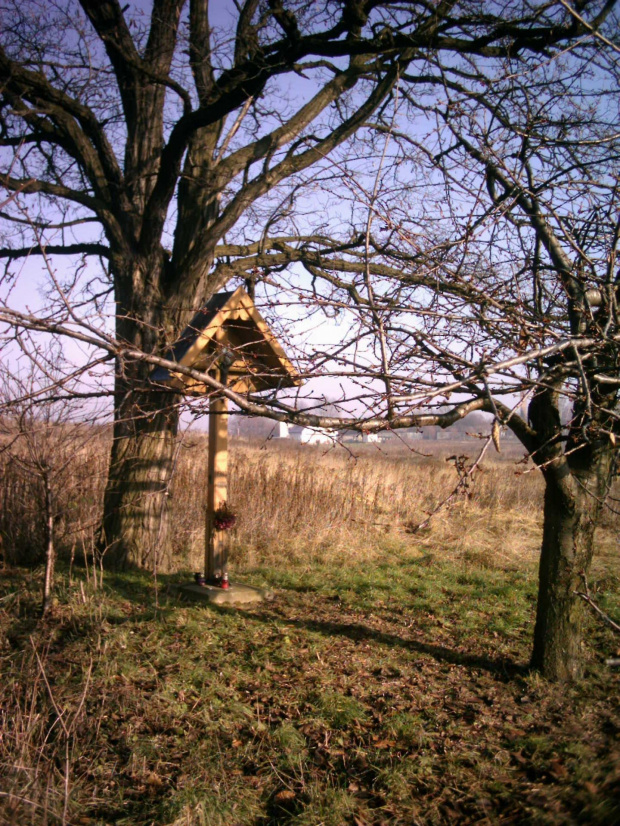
(494, 281)
(149, 141)
(41, 441)
(549, 159)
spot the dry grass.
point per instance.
(78, 458)
(307, 504)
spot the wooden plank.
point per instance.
(217, 542)
(206, 334)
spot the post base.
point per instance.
(236, 594)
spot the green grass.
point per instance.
(376, 693)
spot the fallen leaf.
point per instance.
(558, 769)
(284, 795)
(518, 757)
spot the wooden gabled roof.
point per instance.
(229, 339)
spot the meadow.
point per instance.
(386, 682)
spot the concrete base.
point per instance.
(237, 594)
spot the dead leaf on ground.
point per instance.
(285, 795)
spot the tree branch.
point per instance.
(56, 249)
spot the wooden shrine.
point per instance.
(228, 339)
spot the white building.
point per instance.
(281, 431)
(356, 436)
(310, 435)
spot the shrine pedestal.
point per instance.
(236, 594)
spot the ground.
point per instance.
(388, 691)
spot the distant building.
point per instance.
(310, 435)
(256, 427)
(356, 436)
(281, 431)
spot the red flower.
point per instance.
(223, 518)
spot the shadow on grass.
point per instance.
(138, 588)
(502, 666)
(134, 588)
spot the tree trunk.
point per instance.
(136, 502)
(154, 304)
(571, 509)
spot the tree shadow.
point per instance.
(140, 589)
(503, 667)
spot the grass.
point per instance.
(392, 691)
(386, 682)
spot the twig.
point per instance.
(465, 475)
(593, 31)
(587, 598)
(66, 728)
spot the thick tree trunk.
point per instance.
(136, 503)
(571, 511)
(151, 314)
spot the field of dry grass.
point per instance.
(307, 504)
(386, 683)
(314, 504)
